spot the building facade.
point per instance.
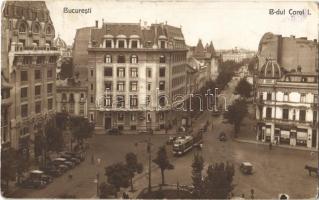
(287, 106)
(29, 66)
(236, 55)
(135, 72)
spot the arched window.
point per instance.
(71, 98)
(108, 59)
(23, 28)
(134, 59)
(36, 28)
(49, 30)
(121, 59)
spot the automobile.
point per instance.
(69, 157)
(246, 168)
(38, 174)
(75, 155)
(222, 137)
(52, 170)
(64, 161)
(171, 139)
(32, 183)
(147, 131)
(114, 131)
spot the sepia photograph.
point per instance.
(159, 99)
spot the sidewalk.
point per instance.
(274, 146)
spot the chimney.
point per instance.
(96, 24)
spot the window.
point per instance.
(314, 118)
(36, 42)
(162, 85)
(52, 59)
(108, 43)
(148, 100)
(148, 118)
(162, 44)
(49, 30)
(36, 28)
(134, 44)
(24, 76)
(121, 59)
(315, 98)
(133, 101)
(37, 90)
(27, 60)
(162, 59)
(108, 71)
(149, 73)
(50, 104)
(120, 101)
(120, 86)
(162, 72)
(40, 60)
(134, 59)
(134, 73)
(108, 86)
(162, 100)
(285, 113)
(92, 99)
(121, 43)
(133, 86)
(108, 59)
(149, 86)
(302, 115)
(294, 114)
(121, 72)
(24, 92)
(120, 116)
(71, 98)
(49, 73)
(24, 110)
(92, 86)
(50, 88)
(24, 131)
(23, 28)
(286, 96)
(38, 107)
(108, 101)
(37, 74)
(269, 96)
(92, 72)
(133, 117)
(268, 113)
(303, 98)
(161, 116)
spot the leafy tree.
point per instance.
(133, 166)
(236, 113)
(61, 120)
(198, 165)
(218, 182)
(243, 88)
(54, 138)
(162, 161)
(118, 175)
(23, 164)
(106, 190)
(81, 128)
(8, 166)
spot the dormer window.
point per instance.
(134, 59)
(121, 44)
(108, 44)
(108, 59)
(49, 30)
(36, 28)
(134, 44)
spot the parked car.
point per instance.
(64, 161)
(114, 131)
(246, 168)
(38, 174)
(147, 131)
(222, 137)
(171, 139)
(76, 155)
(70, 158)
(32, 183)
(52, 170)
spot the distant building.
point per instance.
(237, 55)
(289, 52)
(71, 97)
(65, 54)
(28, 68)
(287, 106)
(134, 73)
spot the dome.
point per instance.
(270, 69)
(59, 43)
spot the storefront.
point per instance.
(302, 135)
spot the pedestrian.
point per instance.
(270, 145)
(212, 125)
(70, 176)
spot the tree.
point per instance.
(118, 175)
(133, 167)
(81, 128)
(243, 88)
(8, 166)
(54, 138)
(162, 161)
(198, 165)
(236, 113)
(218, 182)
(106, 190)
(66, 68)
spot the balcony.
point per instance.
(287, 121)
(20, 49)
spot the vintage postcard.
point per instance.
(171, 99)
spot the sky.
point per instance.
(226, 24)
